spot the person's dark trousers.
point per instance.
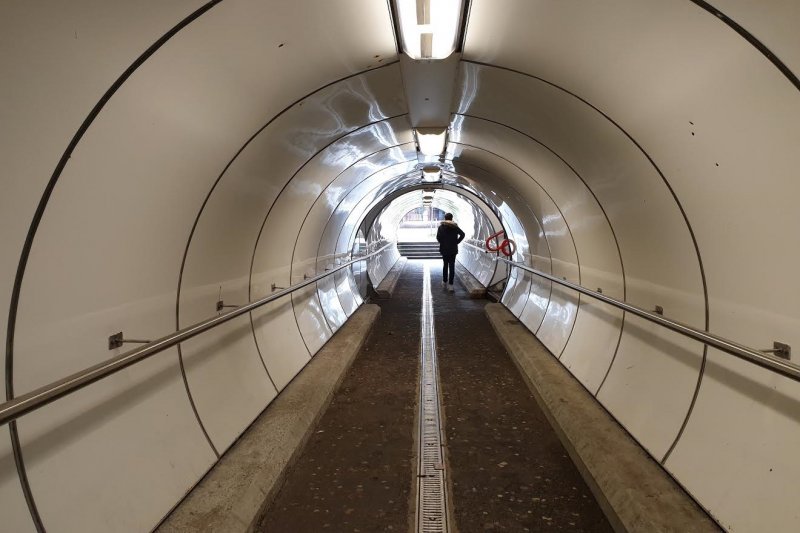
(448, 268)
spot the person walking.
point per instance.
(449, 235)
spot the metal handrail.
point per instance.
(757, 357)
(481, 248)
(40, 397)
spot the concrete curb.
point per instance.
(234, 493)
(634, 491)
(474, 287)
(385, 288)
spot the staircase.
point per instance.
(419, 250)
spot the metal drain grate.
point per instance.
(431, 493)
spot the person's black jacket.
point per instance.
(449, 235)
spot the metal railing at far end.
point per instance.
(40, 397)
(758, 357)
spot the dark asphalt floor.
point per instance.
(356, 473)
(507, 469)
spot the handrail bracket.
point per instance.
(780, 349)
(117, 340)
(222, 305)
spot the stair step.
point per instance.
(419, 250)
(422, 256)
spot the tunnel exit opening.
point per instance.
(412, 220)
(406, 212)
(419, 224)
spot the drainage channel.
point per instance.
(431, 487)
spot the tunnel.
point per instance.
(171, 162)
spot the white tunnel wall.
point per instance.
(349, 192)
(343, 225)
(54, 88)
(328, 205)
(279, 235)
(519, 221)
(388, 148)
(638, 370)
(273, 170)
(645, 148)
(335, 293)
(110, 246)
(698, 111)
(524, 207)
(577, 224)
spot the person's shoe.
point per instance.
(444, 284)
(451, 288)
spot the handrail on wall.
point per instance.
(40, 397)
(481, 248)
(764, 360)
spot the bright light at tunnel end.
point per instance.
(429, 28)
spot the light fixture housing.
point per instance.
(429, 28)
(431, 173)
(431, 141)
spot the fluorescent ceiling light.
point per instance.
(429, 28)
(431, 141)
(431, 173)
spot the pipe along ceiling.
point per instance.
(159, 160)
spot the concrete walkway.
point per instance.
(357, 471)
(508, 468)
(636, 493)
(231, 496)
(354, 469)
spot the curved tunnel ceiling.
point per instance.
(647, 149)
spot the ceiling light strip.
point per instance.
(429, 29)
